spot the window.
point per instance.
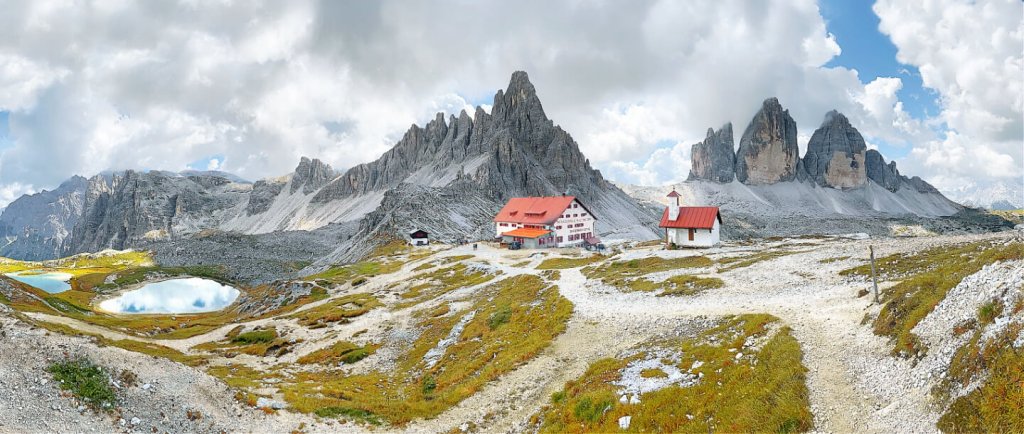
(560, 239)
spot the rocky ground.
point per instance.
(855, 384)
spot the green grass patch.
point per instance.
(998, 404)
(86, 380)
(729, 264)
(342, 352)
(341, 309)
(429, 286)
(255, 337)
(349, 414)
(564, 263)
(259, 343)
(734, 395)
(417, 388)
(628, 274)
(925, 278)
(833, 260)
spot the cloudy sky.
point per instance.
(249, 87)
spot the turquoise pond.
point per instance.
(176, 296)
(50, 282)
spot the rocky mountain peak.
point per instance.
(836, 153)
(768, 151)
(310, 175)
(520, 108)
(714, 158)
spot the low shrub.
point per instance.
(86, 380)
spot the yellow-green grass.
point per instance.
(734, 395)
(387, 258)
(483, 350)
(563, 263)
(689, 285)
(675, 285)
(341, 352)
(833, 260)
(265, 292)
(620, 273)
(242, 376)
(1015, 215)
(147, 348)
(457, 258)
(259, 343)
(341, 309)
(998, 404)
(925, 278)
(428, 286)
(728, 264)
(115, 260)
(14, 266)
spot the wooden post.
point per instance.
(874, 277)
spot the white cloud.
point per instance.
(163, 84)
(14, 190)
(970, 53)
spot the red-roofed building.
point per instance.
(552, 221)
(690, 226)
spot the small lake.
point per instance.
(50, 282)
(188, 295)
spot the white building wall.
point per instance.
(565, 226)
(701, 237)
(574, 221)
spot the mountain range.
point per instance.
(450, 176)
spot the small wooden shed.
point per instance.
(419, 238)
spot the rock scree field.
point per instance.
(778, 334)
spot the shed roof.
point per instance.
(692, 217)
(526, 233)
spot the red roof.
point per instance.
(673, 194)
(526, 233)
(535, 210)
(692, 217)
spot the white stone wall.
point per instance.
(701, 237)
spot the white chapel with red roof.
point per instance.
(690, 226)
(550, 221)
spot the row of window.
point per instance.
(576, 237)
(567, 215)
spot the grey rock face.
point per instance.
(768, 151)
(262, 196)
(714, 159)
(889, 177)
(311, 175)
(883, 174)
(35, 226)
(131, 207)
(921, 185)
(513, 151)
(836, 154)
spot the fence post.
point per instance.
(874, 277)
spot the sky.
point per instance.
(250, 87)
